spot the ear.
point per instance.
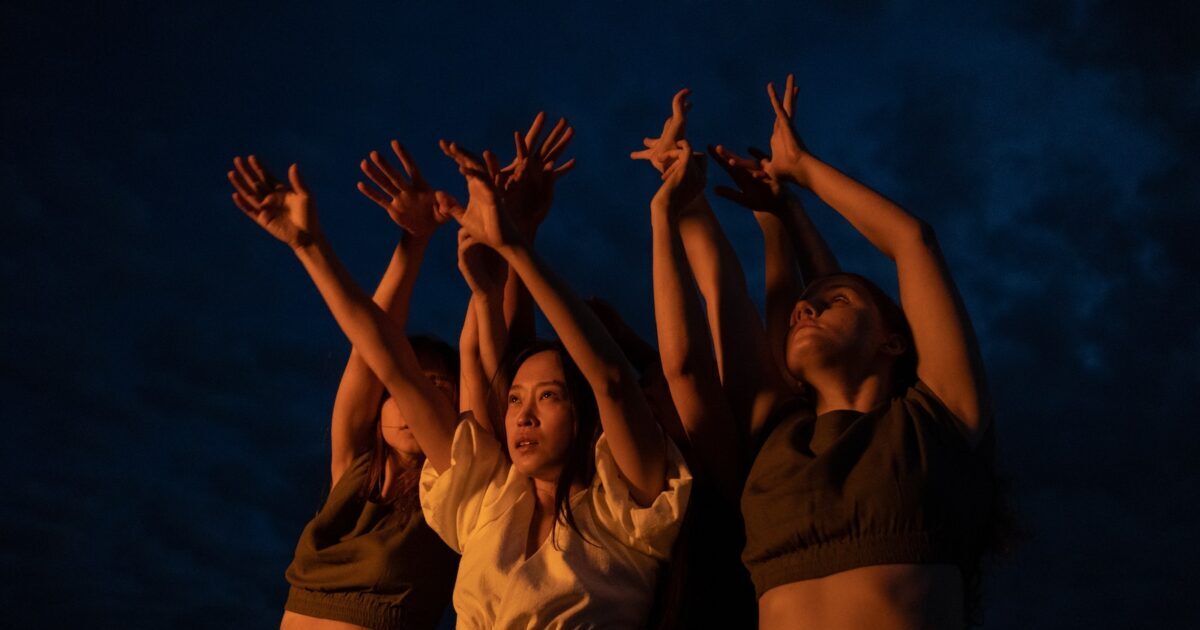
(894, 345)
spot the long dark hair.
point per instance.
(580, 464)
(405, 498)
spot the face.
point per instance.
(395, 430)
(539, 420)
(835, 323)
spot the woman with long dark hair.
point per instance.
(569, 520)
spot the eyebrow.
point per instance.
(539, 384)
(831, 286)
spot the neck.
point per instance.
(543, 492)
(834, 392)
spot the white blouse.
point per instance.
(482, 507)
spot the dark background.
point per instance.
(168, 370)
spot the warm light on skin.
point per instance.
(539, 420)
(395, 430)
(833, 324)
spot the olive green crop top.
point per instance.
(356, 565)
(897, 485)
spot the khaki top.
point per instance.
(899, 484)
(355, 564)
(483, 506)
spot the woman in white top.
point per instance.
(559, 526)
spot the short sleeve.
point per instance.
(453, 500)
(652, 529)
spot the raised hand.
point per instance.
(410, 201)
(286, 211)
(682, 181)
(527, 183)
(787, 150)
(482, 268)
(756, 189)
(658, 150)
(483, 217)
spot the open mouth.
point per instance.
(525, 445)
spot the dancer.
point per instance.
(888, 488)
(709, 369)
(571, 523)
(368, 559)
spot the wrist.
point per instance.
(799, 170)
(308, 242)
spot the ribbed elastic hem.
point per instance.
(842, 555)
(362, 609)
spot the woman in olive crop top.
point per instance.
(368, 559)
(869, 500)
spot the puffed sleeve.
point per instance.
(652, 529)
(453, 501)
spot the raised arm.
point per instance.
(638, 445)
(527, 189)
(793, 248)
(485, 273)
(357, 402)
(356, 405)
(752, 383)
(288, 213)
(949, 361)
(684, 343)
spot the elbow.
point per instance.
(913, 235)
(678, 366)
(614, 385)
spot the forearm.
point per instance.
(783, 283)
(493, 336)
(886, 225)
(358, 394)
(473, 381)
(750, 378)
(395, 290)
(518, 310)
(356, 404)
(384, 348)
(688, 364)
(812, 253)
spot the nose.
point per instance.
(525, 415)
(803, 309)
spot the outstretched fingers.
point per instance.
(534, 130)
(780, 112)
(389, 171)
(789, 95)
(409, 164)
(566, 166)
(557, 141)
(296, 181)
(374, 195)
(379, 178)
(241, 186)
(464, 158)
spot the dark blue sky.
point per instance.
(168, 370)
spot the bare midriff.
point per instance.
(296, 621)
(882, 597)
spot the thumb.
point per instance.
(447, 206)
(297, 182)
